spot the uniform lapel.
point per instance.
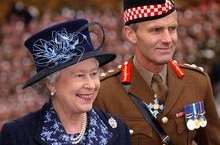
(139, 87)
(175, 87)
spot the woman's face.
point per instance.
(77, 86)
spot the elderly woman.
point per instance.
(65, 57)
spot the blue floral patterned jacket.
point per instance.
(44, 128)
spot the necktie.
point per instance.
(159, 87)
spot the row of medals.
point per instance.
(195, 115)
(196, 123)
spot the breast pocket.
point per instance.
(183, 131)
(138, 127)
(180, 125)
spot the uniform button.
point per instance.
(164, 120)
(131, 131)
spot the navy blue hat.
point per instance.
(60, 46)
(143, 10)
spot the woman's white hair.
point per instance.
(41, 86)
(52, 78)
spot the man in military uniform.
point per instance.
(181, 101)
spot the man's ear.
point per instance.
(130, 34)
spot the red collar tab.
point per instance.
(179, 72)
(126, 72)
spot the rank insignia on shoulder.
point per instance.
(194, 67)
(112, 122)
(195, 115)
(109, 73)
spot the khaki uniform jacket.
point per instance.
(193, 87)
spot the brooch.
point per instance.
(112, 122)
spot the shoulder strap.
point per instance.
(151, 120)
(194, 68)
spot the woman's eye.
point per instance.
(94, 73)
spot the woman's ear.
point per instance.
(130, 34)
(52, 88)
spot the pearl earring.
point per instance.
(52, 93)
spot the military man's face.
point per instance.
(156, 39)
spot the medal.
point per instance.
(196, 123)
(203, 122)
(189, 116)
(190, 124)
(201, 111)
(195, 114)
(156, 107)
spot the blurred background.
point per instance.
(199, 41)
